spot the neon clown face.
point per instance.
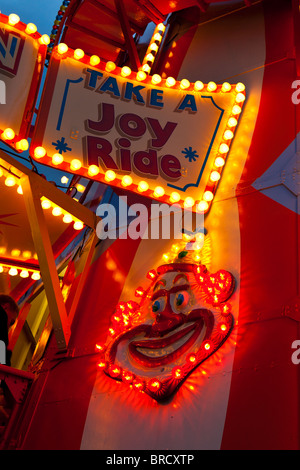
(172, 330)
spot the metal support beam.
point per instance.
(46, 259)
(130, 44)
(202, 5)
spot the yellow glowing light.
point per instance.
(174, 197)
(15, 253)
(57, 159)
(198, 85)
(13, 272)
(44, 40)
(8, 134)
(208, 196)
(24, 274)
(78, 54)
(153, 47)
(157, 37)
(80, 188)
(143, 186)
(36, 277)
(156, 79)
(40, 152)
(215, 176)
(67, 219)
(226, 87)
(149, 57)
(110, 175)
(159, 191)
(93, 170)
(189, 202)
(202, 206)
(126, 181)
(13, 19)
(184, 84)
(20, 190)
(165, 257)
(240, 98)
(31, 28)
(170, 81)
(228, 135)
(161, 27)
(95, 60)
(125, 71)
(146, 68)
(240, 87)
(219, 162)
(10, 181)
(27, 254)
(46, 204)
(141, 75)
(224, 148)
(110, 66)
(56, 211)
(62, 48)
(75, 165)
(236, 109)
(232, 122)
(64, 180)
(212, 86)
(22, 145)
(78, 225)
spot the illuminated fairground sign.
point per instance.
(176, 323)
(22, 55)
(158, 137)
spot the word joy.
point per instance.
(130, 127)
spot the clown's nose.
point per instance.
(165, 322)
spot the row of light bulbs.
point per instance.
(23, 273)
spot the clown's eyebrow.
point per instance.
(161, 282)
(180, 276)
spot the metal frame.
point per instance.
(34, 187)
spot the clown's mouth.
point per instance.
(157, 352)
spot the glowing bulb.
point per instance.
(174, 197)
(215, 176)
(36, 276)
(236, 109)
(31, 28)
(189, 202)
(40, 152)
(161, 27)
(208, 196)
(93, 170)
(150, 57)
(78, 225)
(159, 191)
(78, 54)
(95, 60)
(184, 84)
(240, 87)
(126, 181)
(224, 148)
(20, 190)
(64, 180)
(141, 76)
(110, 66)
(153, 47)
(212, 86)
(8, 134)
(226, 87)
(146, 68)
(15, 253)
(62, 48)
(198, 85)
(22, 145)
(57, 159)
(24, 274)
(228, 135)
(157, 37)
(10, 181)
(110, 175)
(219, 162)
(170, 82)
(240, 98)
(13, 272)
(1, 269)
(46, 204)
(13, 19)
(67, 219)
(143, 186)
(125, 71)
(44, 40)
(207, 346)
(156, 79)
(202, 206)
(75, 165)
(56, 211)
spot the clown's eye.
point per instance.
(158, 305)
(179, 301)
